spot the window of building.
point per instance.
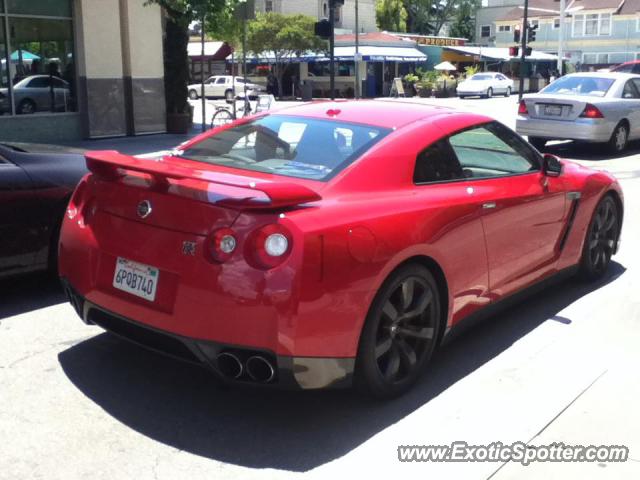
(504, 28)
(534, 23)
(321, 69)
(485, 31)
(591, 24)
(268, 6)
(37, 68)
(595, 58)
(556, 23)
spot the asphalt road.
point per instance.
(78, 403)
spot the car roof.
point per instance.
(612, 75)
(381, 113)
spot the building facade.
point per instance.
(72, 69)
(596, 33)
(345, 14)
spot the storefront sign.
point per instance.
(439, 41)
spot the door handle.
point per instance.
(489, 205)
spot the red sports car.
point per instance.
(328, 244)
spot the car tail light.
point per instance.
(522, 108)
(77, 199)
(591, 111)
(221, 245)
(270, 246)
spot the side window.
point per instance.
(630, 90)
(492, 150)
(437, 163)
(636, 82)
(39, 82)
(221, 81)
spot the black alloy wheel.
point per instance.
(601, 240)
(400, 333)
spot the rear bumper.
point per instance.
(586, 130)
(290, 372)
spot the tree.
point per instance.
(178, 15)
(428, 16)
(464, 23)
(282, 37)
(391, 15)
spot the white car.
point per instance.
(485, 84)
(221, 86)
(585, 107)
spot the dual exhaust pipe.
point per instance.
(258, 368)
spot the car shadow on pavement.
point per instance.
(30, 292)
(589, 151)
(179, 405)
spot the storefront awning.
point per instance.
(380, 54)
(212, 50)
(500, 53)
(345, 54)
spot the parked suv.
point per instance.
(222, 86)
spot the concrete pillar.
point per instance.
(101, 86)
(143, 69)
(120, 67)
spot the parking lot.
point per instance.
(560, 367)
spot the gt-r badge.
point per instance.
(189, 248)
(144, 209)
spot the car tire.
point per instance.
(26, 107)
(537, 142)
(508, 92)
(600, 240)
(228, 95)
(489, 93)
(619, 138)
(193, 95)
(462, 97)
(400, 333)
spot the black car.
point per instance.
(36, 182)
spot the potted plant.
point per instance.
(411, 79)
(427, 83)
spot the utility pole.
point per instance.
(204, 97)
(332, 38)
(523, 49)
(561, 37)
(357, 55)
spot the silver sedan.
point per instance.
(586, 107)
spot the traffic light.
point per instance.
(323, 29)
(516, 35)
(531, 33)
(527, 51)
(514, 51)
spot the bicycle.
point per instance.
(225, 115)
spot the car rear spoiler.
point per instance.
(231, 190)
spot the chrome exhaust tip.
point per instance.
(260, 369)
(229, 365)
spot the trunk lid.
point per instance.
(182, 195)
(555, 107)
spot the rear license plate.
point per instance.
(136, 278)
(553, 110)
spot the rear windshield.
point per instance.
(287, 145)
(591, 86)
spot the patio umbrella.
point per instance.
(446, 66)
(15, 56)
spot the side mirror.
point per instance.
(551, 165)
